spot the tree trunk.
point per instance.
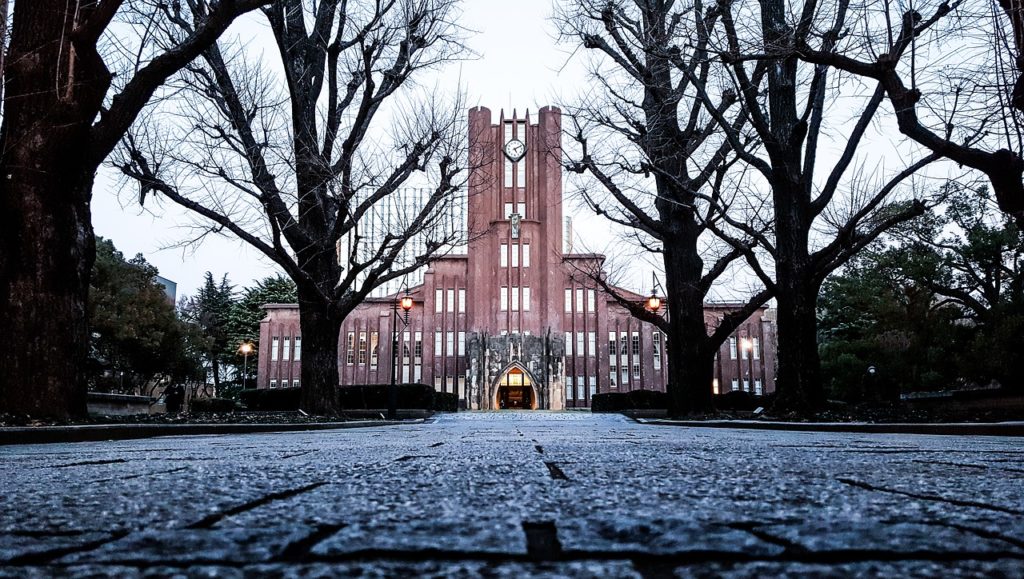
(43, 294)
(320, 328)
(689, 369)
(799, 388)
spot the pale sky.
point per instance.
(519, 65)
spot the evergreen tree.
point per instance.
(209, 310)
(245, 314)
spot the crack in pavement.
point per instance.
(209, 521)
(298, 551)
(539, 448)
(49, 555)
(436, 444)
(752, 528)
(555, 472)
(140, 475)
(924, 497)
(303, 453)
(89, 462)
(983, 533)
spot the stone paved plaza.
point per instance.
(507, 494)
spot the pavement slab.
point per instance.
(516, 494)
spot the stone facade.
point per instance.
(513, 320)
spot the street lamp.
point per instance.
(653, 303)
(405, 304)
(245, 349)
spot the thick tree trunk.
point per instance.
(689, 369)
(799, 388)
(320, 328)
(43, 292)
(46, 177)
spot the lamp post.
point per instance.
(653, 303)
(245, 349)
(405, 303)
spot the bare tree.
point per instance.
(820, 222)
(299, 173)
(946, 86)
(659, 164)
(60, 122)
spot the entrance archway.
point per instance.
(515, 390)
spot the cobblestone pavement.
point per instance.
(516, 494)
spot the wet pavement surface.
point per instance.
(506, 494)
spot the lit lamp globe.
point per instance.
(405, 303)
(653, 303)
(245, 349)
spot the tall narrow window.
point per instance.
(613, 374)
(274, 344)
(406, 353)
(298, 348)
(509, 165)
(581, 388)
(656, 341)
(449, 340)
(508, 211)
(714, 386)
(579, 299)
(732, 349)
(462, 343)
(462, 387)
(438, 300)
(437, 383)
(735, 385)
(437, 342)
(462, 300)
(418, 348)
(568, 343)
(591, 300)
(568, 300)
(592, 344)
(757, 387)
(374, 349)
(286, 354)
(450, 384)
(526, 299)
(451, 300)
(526, 255)
(593, 386)
(623, 344)
(521, 210)
(503, 258)
(350, 348)
(579, 344)
(515, 299)
(515, 254)
(612, 350)
(362, 349)
(569, 393)
(636, 344)
(503, 296)
(745, 346)
(521, 165)
(636, 370)
(756, 344)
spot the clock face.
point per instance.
(515, 150)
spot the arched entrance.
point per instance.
(515, 390)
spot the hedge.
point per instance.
(632, 400)
(446, 402)
(271, 400)
(375, 396)
(212, 405)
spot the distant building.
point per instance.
(170, 289)
(511, 322)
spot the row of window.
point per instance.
(571, 307)
(613, 374)
(443, 305)
(576, 389)
(450, 342)
(449, 384)
(354, 354)
(511, 208)
(748, 346)
(758, 389)
(517, 249)
(288, 351)
(284, 383)
(519, 297)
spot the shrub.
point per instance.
(276, 400)
(211, 405)
(375, 396)
(446, 402)
(609, 402)
(738, 400)
(647, 400)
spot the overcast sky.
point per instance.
(519, 66)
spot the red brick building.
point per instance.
(512, 322)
